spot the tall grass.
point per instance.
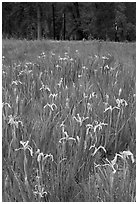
(68, 128)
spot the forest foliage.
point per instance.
(69, 20)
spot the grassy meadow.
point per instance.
(68, 121)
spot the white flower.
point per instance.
(85, 96)
(16, 82)
(105, 58)
(25, 71)
(71, 59)
(40, 156)
(53, 95)
(51, 106)
(96, 149)
(4, 104)
(57, 66)
(25, 147)
(41, 191)
(106, 67)
(121, 102)
(67, 137)
(79, 119)
(99, 126)
(94, 94)
(13, 121)
(111, 108)
(126, 154)
(89, 106)
(84, 67)
(48, 156)
(120, 90)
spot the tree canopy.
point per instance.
(69, 20)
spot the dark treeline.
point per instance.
(69, 20)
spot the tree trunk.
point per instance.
(53, 12)
(79, 32)
(64, 23)
(38, 23)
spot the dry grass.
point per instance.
(68, 122)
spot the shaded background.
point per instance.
(69, 20)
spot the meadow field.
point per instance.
(68, 121)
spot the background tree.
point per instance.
(121, 20)
(130, 13)
(105, 15)
(69, 20)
